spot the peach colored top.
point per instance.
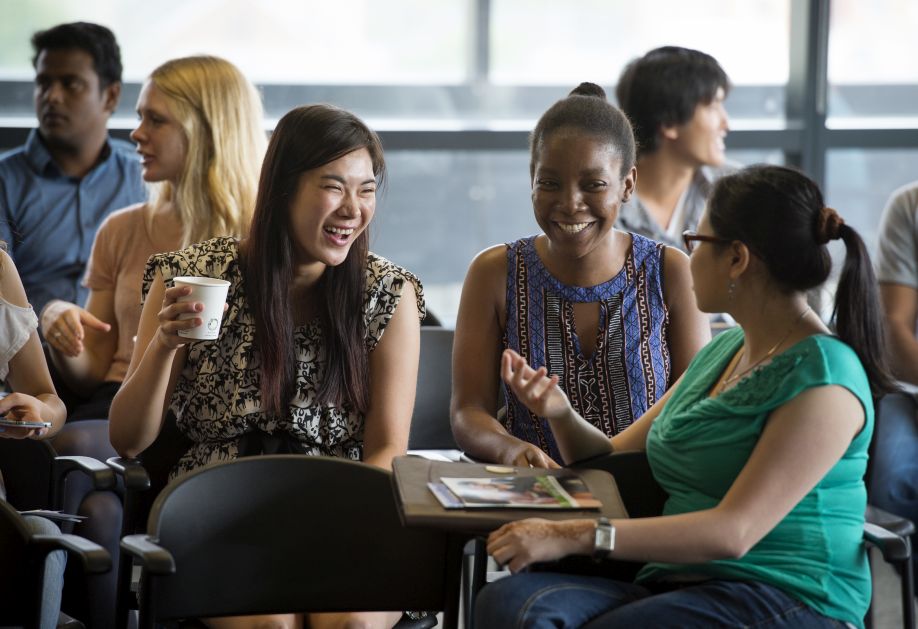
(119, 256)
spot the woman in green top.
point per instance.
(761, 445)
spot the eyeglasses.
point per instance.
(689, 238)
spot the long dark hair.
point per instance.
(779, 213)
(307, 138)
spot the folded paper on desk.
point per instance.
(55, 516)
(514, 492)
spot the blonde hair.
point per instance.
(221, 114)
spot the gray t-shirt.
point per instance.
(634, 217)
(897, 251)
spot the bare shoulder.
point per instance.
(488, 270)
(674, 258)
(492, 259)
(10, 284)
(677, 276)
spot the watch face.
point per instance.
(604, 541)
(603, 538)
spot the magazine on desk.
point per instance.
(567, 491)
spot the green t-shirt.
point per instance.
(698, 446)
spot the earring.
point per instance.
(731, 287)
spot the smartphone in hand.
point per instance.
(12, 423)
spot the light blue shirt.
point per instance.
(49, 220)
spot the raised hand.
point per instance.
(63, 326)
(534, 387)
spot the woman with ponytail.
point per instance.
(610, 312)
(761, 446)
(318, 349)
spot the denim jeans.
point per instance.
(551, 600)
(54, 573)
(894, 468)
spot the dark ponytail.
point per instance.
(857, 317)
(779, 213)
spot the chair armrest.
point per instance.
(101, 475)
(132, 471)
(155, 558)
(894, 547)
(94, 558)
(889, 521)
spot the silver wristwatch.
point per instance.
(604, 541)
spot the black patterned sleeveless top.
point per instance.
(217, 398)
(630, 367)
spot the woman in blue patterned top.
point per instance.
(608, 311)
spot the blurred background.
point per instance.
(454, 86)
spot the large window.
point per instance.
(871, 63)
(275, 41)
(455, 85)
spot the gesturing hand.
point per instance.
(63, 323)
(519, 544)
(523, 454)
(534, 387)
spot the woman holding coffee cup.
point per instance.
(318, 348)
(201, 140)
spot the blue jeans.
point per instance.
(894, 468)
(543, 600)
(54, 573)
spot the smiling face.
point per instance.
(700, 141)
(577, 190)
(71, 106)
(333, 205)
(161, 142)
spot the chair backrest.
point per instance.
(639, 490)
(27, 468)
(430, 427)
(19, 571)
(290, 533)
(158, 460)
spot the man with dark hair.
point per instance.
(674, 98)
(57, 189)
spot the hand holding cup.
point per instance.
(210, 293)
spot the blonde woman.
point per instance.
(201, 142)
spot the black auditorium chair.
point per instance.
(144, 478)
(285, 534)
(896, 552)
(22, 572)
(430, 427)
(34, 475)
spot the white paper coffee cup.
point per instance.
(212, 293)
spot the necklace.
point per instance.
(736, 376)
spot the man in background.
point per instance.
(894, 460)
(674, 98)
(56, 190)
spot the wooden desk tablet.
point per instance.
(419, 507)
